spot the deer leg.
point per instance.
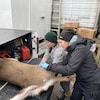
(24, 93)
(36, 90)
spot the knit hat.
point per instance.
(51, 37)
(67, 34)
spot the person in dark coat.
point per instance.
(79, 60)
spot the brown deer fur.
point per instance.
(27, 76)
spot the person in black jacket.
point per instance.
(79, 60)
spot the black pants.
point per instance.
(88, 91)
(65, 86)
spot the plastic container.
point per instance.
(16, 53)
(25, 53)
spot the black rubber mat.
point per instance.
(10, 90)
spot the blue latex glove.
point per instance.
(44, 65)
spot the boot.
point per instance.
(68, 93)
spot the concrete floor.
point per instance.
(58, 91)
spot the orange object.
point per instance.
(25, 52)
(87, 32)
(71, 24)
(4, 54)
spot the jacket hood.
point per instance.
(80, 40)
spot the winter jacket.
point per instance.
(79, 60)
(56, 54)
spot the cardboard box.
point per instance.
(71, 24)
(86, 32)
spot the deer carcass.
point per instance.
(32, 78)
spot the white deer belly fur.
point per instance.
(33, 90)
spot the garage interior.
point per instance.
(25, 23)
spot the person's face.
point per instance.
(63, 44)
(49, 44)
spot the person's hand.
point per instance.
(44, 65)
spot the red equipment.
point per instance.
(25, 53)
